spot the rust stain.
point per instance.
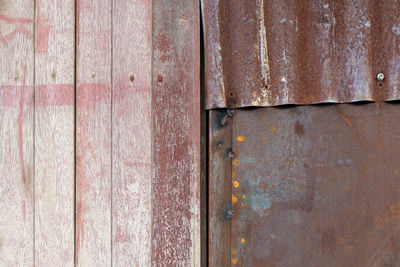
(236, 162)
(394, 209)
(234, 199)
(324, 56)
(346, 119)
(241, 138)
(298, 128)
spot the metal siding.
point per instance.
(270, 52)
(316, 186)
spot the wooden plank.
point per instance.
(93, 218)
(220, 195)
(176, 133)
(132, 133)
(16, 132)
(54, 132)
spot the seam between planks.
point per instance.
(75, 120)
(112, 139)
(152, 135)
(34, 134)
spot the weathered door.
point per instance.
(300, 184)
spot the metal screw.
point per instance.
(230, 153)
(230, 112)
(230, 213)
(380, 76)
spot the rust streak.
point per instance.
(346, 119)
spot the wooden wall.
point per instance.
(99, 133)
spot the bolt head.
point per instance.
(380, 76)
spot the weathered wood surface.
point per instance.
(176, 133)
(54, 132)
(99, 168)
(132, 133)
(93, 138)
(16, 132)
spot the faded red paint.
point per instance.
(79, 229)
(176, 134)
(8, 99)
(46, 95)
(42, 40)
(19, 29)
(20, 129)
(55, 95)
(92, 92)
(78, 14)
(42, 31)
(12, 20)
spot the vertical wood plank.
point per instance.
(54, 132)
(132, 133)
(16, 132)
(176, 133)
(93, 218)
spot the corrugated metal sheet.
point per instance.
(275, 52)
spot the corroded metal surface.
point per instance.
(316, 186)
(270, 52)
(220, 191)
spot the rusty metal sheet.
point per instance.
(275, 52)
(220, 190)
(316, 186)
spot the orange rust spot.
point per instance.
(235, 260)
(236, 162)
(244, 195)
(241, 138)
(234, 251)
(242, 240)
(272, 128)
(236, 184)
(346, 119)
(234, 199)
(394, 209)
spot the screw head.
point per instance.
(230, 112)
(380, 76)
(230, 213)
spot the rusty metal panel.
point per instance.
(316, 186)
(270, 52)
(220, 190)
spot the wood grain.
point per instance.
(16, 132)
(176, 133)
(93, 225)
(54, 132)
(132, 133)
